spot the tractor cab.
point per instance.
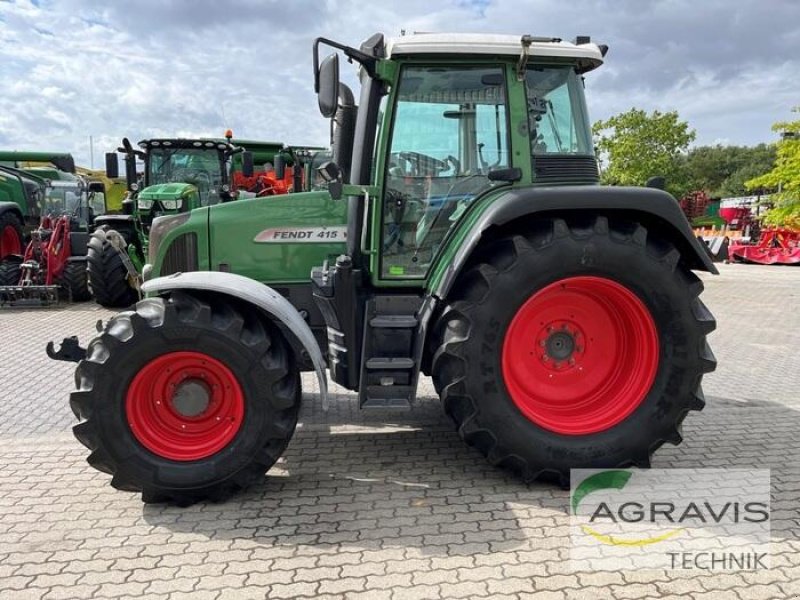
(180, 175)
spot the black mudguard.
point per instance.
(11, 207)
(653, 208)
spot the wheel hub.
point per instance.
(184, 406)
(561, 343)
(192, 398)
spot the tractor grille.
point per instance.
(181, 256)
(565, 169)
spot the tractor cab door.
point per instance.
(449, 129)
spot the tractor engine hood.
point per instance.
(166, 191)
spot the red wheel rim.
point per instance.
(580, 355)
(10, 242)
(184, 406)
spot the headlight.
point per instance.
(144, 204)
(162, 226)
(171, 204)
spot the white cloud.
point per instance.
(75, 68)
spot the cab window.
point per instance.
(450, 129)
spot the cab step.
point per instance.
(389, 365)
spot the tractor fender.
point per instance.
(654, 208)
(260, 296)
(11, 207)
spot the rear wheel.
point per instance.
(108, 278)
(10, 235)
(75, 280)
(186, 398)
(10, 270)
(572, 346)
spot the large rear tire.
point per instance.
(11, 240)
(108, 277)
(75, 280)
(577, 345)
(186, 398)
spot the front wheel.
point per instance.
(10, 270)
(186, 398)
(109, 279)
(576, 345)
(75, 280)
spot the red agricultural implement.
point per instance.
(44, 269)
(777, 246)
(264, 184)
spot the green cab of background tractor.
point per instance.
(463, 235)
(23, 178)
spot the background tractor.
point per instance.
(463, 235)
(53, 263)
(22, 179)
(178, 175)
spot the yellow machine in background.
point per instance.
(115, 188)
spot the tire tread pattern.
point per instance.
(452, 330)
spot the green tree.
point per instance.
(721, 171)
(784, 178)
(635, 146)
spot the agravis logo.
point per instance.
(604, 481)
(671, 514)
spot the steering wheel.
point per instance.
(193, 176)
(423, 164)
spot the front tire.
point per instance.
(186, 398)
(10, 270)
(577, 345)
(75, 280)
(107, 274)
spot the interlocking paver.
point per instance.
(379, 504)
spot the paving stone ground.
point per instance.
(380, 504)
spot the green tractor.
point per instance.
(463, 235)
(179, 175)
(21, 190)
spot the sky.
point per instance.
(71, 69)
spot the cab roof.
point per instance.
(586, 54)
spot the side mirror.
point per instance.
(112, 165)
(328, 95)
(97, 187)
(280, 166)
(657, 182)
(248, 167)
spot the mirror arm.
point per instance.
(369, 62)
